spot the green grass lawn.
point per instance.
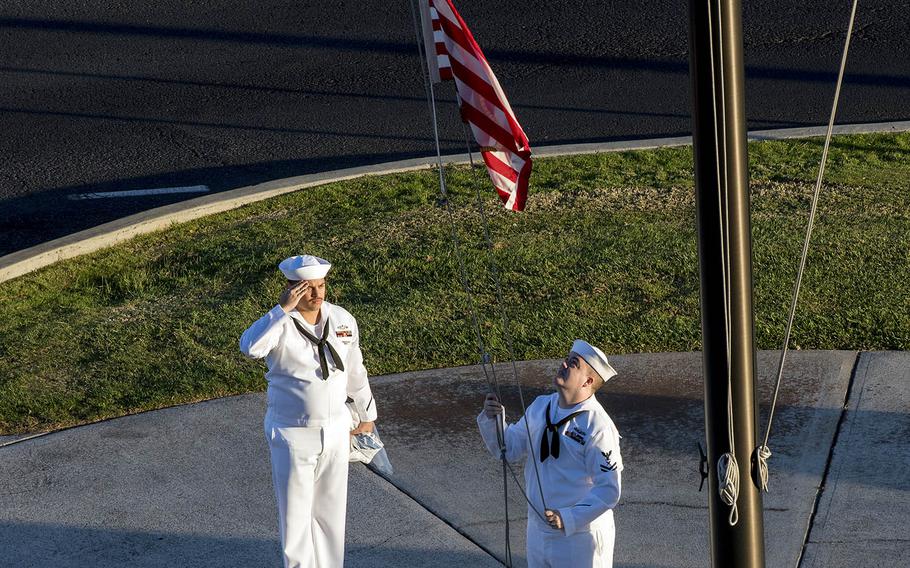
(605, 251)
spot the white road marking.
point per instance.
(141, 192)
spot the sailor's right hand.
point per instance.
(292, 293)
(491, 406)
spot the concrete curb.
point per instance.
(106, 235)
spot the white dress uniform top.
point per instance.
(583, 483)
(307, 425)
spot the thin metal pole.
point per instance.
(725, 264)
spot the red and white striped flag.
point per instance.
(434, 41)
(503, 144)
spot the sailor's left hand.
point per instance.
(362, 428)
(554, 519)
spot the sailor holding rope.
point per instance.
(579, 464)
(312, 349)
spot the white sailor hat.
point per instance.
(304, 267)
(594, 357)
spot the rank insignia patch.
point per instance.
(607, 465)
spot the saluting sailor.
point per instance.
(576, 446)
(312, 349)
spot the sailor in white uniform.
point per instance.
(312, 349)
(576, 447)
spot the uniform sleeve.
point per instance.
(358, 383)
(603, 464)
(263, 336)
(515, 437)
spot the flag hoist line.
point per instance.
(727, 468)
(763, 452)
(433, 72)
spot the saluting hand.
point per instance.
(292, 294)
(554, 518)
(491, 406)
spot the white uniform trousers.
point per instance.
(310, 474)
(592, 548)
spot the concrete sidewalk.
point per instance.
(189, 486)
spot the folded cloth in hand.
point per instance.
(366, 447)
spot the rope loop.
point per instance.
(762, 455)
(728, 484)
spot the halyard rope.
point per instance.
(727, 467)
(491, 378)
(504, 318)
(763, 452)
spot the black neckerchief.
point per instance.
(321, 344)
(552, 448)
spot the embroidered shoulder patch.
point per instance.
(608, 465)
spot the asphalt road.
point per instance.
(106, 95)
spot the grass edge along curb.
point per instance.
(109, 234)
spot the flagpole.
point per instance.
(725, 264)
(500, 433)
